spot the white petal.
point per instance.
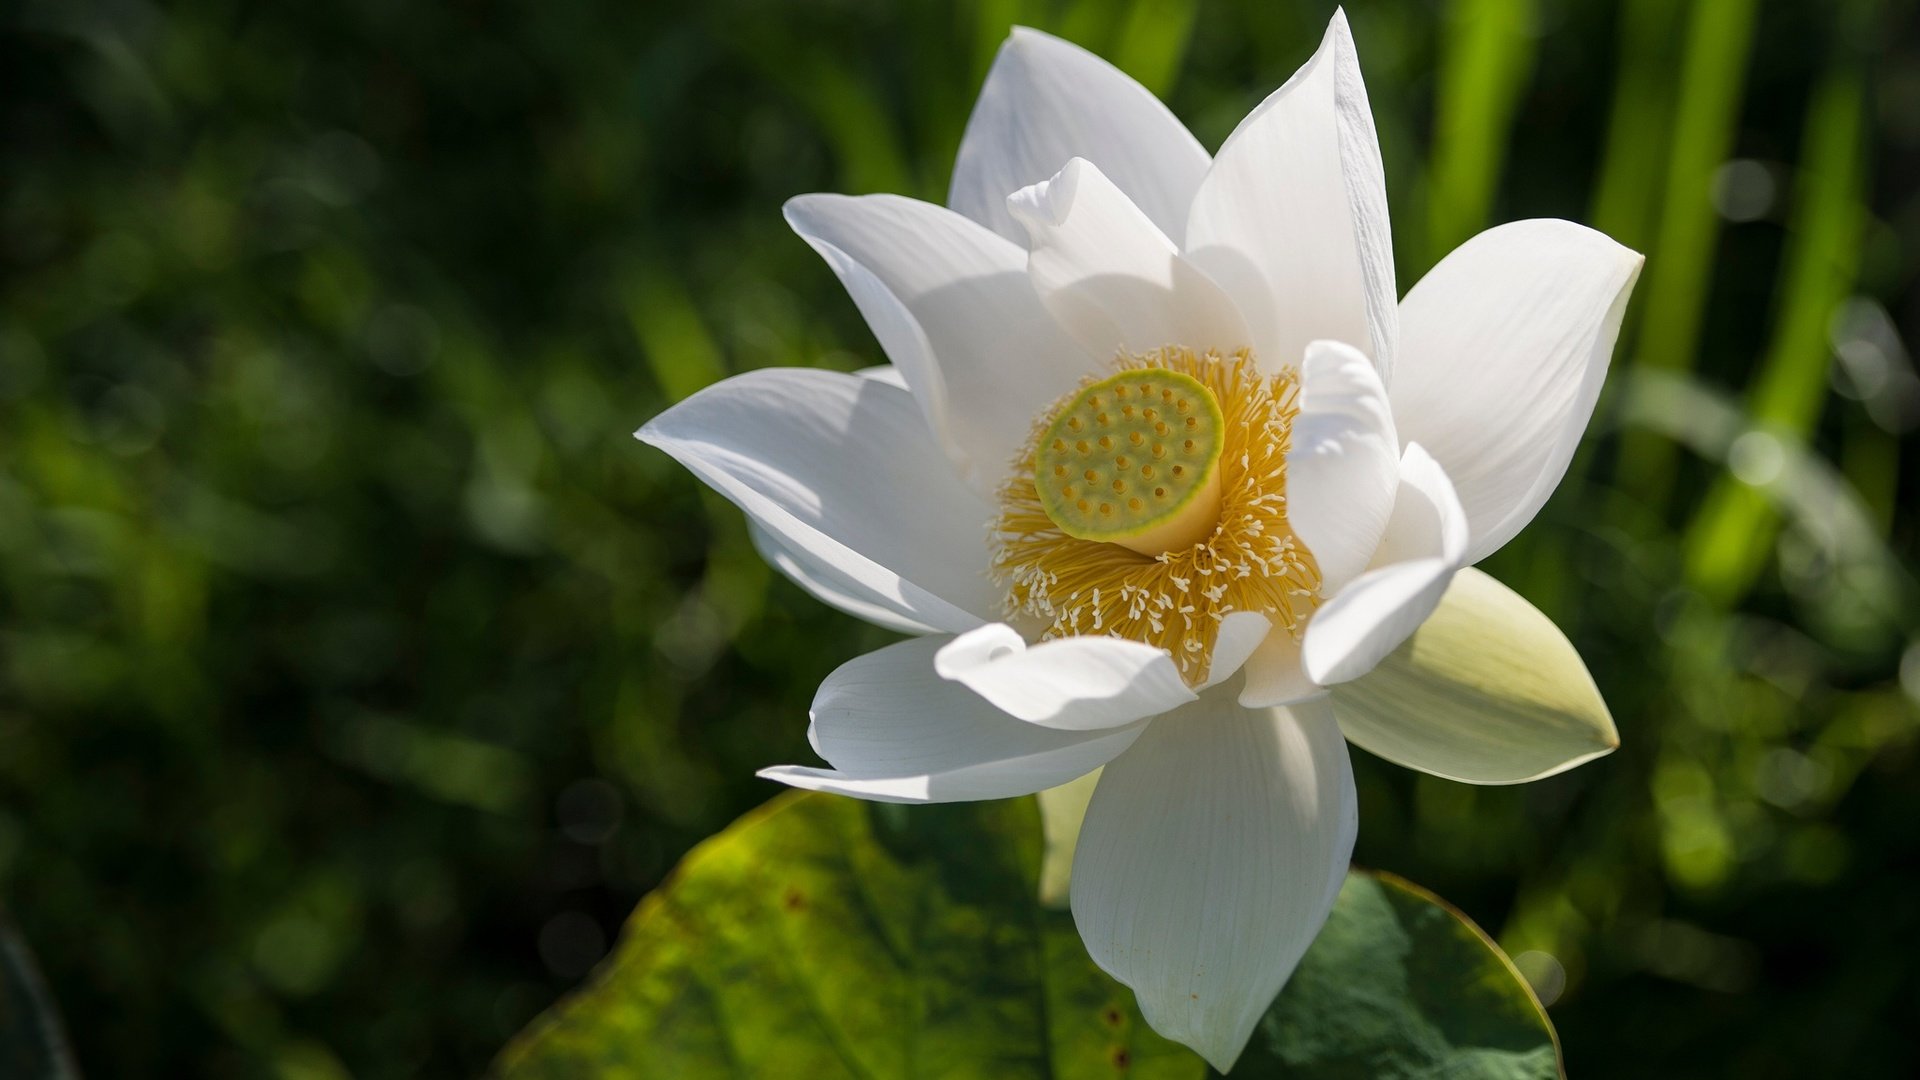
(1239, 636)
(951, 304)
(1424, 543)
(896, 732)
(1046, 101)
(1075, 683)
(1487, 691)
(830, 584)
(1292, 218)
(1276, 676)
(838, 471)
(885, 373)
(1211, 855)
(1111, 277)
(1344, 467)
(1504, 346)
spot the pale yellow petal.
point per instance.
(1487, 691)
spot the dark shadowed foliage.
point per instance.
(359, 673)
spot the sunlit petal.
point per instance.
(1046, 101)
(1504, 346)
(1111, 277)
(895, 731)
(1344, 467)
(951, 305)
(1075, 683)
(1425, 540)
(839, 472)
(1211, 854)
(1292, 218)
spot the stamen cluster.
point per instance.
(1250, 561)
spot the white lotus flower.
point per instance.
(1164, 480)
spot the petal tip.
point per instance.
(1609, 736)
(795, 209)
(1046, 205)
(1221, 1059)
(651, 433)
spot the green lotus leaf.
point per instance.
(824, 937)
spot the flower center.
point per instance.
(1134, 460)
(1151, 503)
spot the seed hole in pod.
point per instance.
(1066, 492)
(1103, 419)
(1083, 446)
(1059, 446)
(1134, 504)
(1106, 508)
(1151, 414)
(1159, 451)
(1074, 423)
(1146, 471)
(1126, 411)
(1082, 505)
(1192, 422)
(1106, 442)
(1179, 471)
(1059, 470)
(1119, 487)
(1133, 437)
(1093, 477)
(1160, 427)
(1183, 405)
(1187, 446)
(1159, 493)
(1120, 391)
(1093, 402)
(1122, 463)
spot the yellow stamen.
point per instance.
(1141, 579)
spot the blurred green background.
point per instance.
(358, 672)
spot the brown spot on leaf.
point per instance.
(1121, 1059)
(1111, 1016)
(793, 900)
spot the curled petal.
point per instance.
(895, 731)
(1344, 467)
(1425, 541)
(1075, 683)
